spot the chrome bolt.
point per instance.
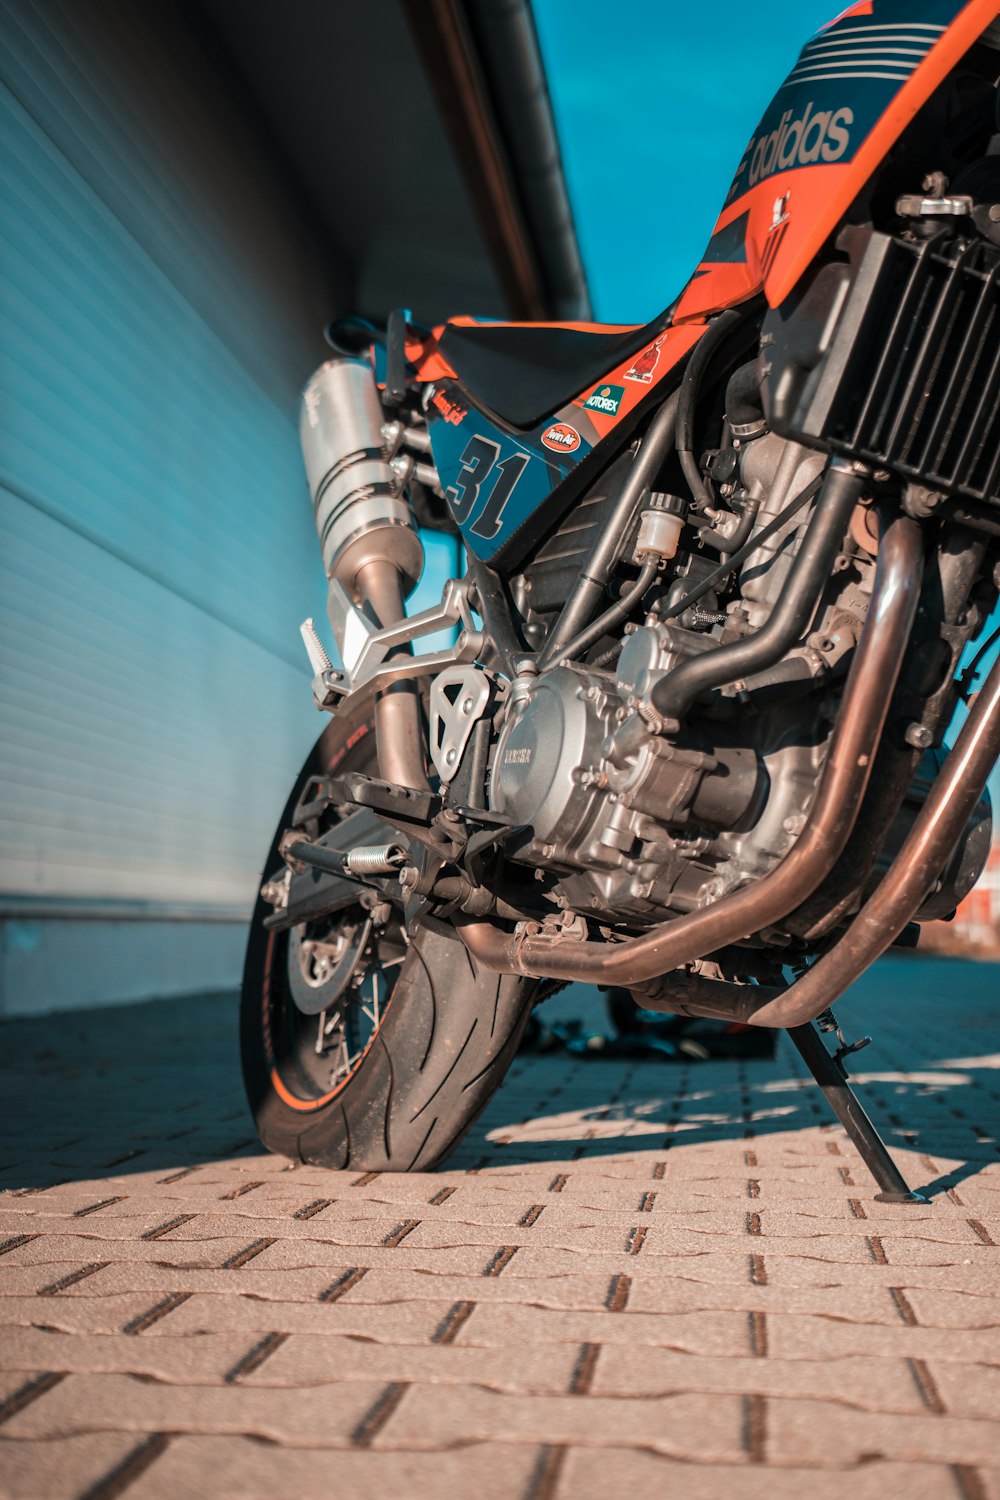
(919, 736)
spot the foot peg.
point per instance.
(329, 685)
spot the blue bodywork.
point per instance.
(492, 479)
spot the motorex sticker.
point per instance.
(606, 399)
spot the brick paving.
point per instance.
(666, 1276)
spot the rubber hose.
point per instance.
(690, 385)
(743, 399)
(673, 695)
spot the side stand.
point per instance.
(831, 1075)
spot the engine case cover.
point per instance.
(603, 802)
(539, 778)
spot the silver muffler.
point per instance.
(372, 550)
(362, 514)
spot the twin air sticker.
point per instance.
(561, 438)
(449, 409)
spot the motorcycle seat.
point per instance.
(524, 372)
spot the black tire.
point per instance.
(442, 1045)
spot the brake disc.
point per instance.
(321, 970)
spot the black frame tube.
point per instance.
(591, 588)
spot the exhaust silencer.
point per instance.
(361, 514)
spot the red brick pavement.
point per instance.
(670, 1277)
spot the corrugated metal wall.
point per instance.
(161, 304)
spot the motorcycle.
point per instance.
(684, 736)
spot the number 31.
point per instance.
(478, 462)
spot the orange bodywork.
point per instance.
(778, 248)
(820, 195)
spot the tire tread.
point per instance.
(377, 1122)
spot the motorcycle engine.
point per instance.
(637, 825)
(628, 820)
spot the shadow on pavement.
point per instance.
(157, 1088)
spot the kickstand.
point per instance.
(831, 1075)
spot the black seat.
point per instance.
(525, 372)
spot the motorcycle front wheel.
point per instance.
(367, 1047)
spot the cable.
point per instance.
(607, 656)
(592, 584)
(612, 616)
(733, 561)
(673, 693)
(627, 603)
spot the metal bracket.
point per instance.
(914, 206)
(459, 696)
(365, 647)
(558, 928)
(846, 1048)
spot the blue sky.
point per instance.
(654, 103)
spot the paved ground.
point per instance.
(670, 1278)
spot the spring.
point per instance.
(379, 859)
